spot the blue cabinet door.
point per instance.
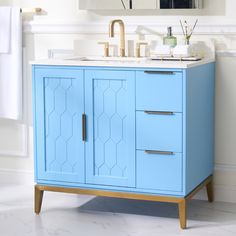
(58, 108)
(110, 111)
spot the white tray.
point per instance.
(176, 58)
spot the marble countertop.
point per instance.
(124, 64)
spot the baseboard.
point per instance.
(11, 177)
(223, 193)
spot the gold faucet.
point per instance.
(106, 48)
(122, 34)
(138, 47)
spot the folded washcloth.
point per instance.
(182, 51)
(161, 50)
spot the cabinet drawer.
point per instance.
(159, 172)
(159, 131)
(159, 90)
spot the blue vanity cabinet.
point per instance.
(110, 143)
(136, 133)
(58, 109)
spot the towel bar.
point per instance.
(31, 10)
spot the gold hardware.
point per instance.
(158, 152)
(38, 198)
(159, 112)
(122, 34)
(181, 201)
(31, 10)
(159, 72)
(84, 131)
(106, 48)
(138, 46)
(183, 213)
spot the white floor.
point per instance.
(73, 215)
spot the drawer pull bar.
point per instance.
(167, 113)
(158, 152)
(159, 72)
(84, 131)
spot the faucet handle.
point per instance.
(106, 48)
(138, 46)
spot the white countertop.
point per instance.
(123, 64)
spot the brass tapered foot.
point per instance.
(182, 202)
(38, 198)
(210, 192)
(183, 213)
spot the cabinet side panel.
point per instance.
(199, 124)
(34, 123)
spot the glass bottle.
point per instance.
(170, 39)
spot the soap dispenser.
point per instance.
(170, 39)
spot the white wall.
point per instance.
(63, 23)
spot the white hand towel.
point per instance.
(11, 72)
(5, 29)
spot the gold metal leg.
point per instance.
(182, 202)
(38, 198)
(210, 193)
(183, 213)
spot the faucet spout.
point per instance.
(122, 34)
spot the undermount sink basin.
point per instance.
(109, 59)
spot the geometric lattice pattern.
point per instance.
(110, 129)
(61, 125)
